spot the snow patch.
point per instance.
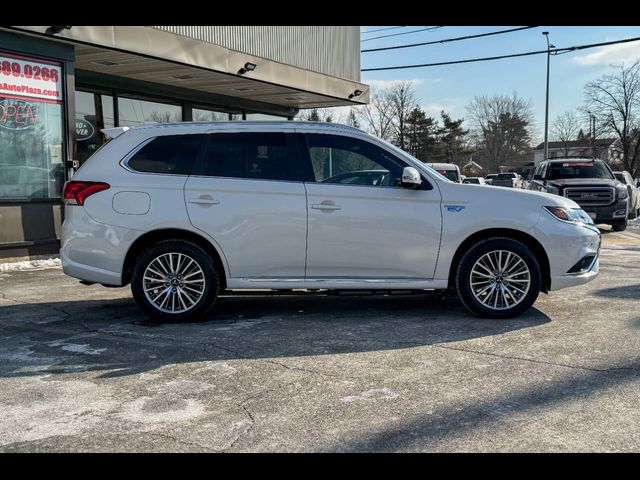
(77, 348)
(30, 265)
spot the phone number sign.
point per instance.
(24, 77)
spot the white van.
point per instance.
(449, 170)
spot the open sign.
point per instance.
(18, 114)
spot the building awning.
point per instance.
(150, 55)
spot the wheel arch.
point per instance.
(155, 236)
(524, 238)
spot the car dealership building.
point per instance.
(61, 85)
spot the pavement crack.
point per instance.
(533, 360)
(252, 421)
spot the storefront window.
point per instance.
(31, 134)
(202, 115)
(93, 113)
(263, 116)
(132, 112)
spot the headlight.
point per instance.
(571, 215)
(622, 193)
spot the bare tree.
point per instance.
(334, 115)
(403, 100)
(377, 115)
(565, 128)
(501, 127)
(614, 99)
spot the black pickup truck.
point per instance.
(588, 182)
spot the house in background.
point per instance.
(577, 148)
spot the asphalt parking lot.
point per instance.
(82, 370)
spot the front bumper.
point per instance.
(566, 244)
(616, 212)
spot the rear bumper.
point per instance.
(88, 272)
(93, 251)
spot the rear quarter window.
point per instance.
(170, 154)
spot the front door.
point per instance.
(243, 192)
(361, 224)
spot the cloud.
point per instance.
(387, 83)
(610, 54)
(432, 109)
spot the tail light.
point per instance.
(76, 192)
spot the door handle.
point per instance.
(204, 200)
(326, 206)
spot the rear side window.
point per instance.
(170, 154)
(262, 156)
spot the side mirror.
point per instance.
(410, 178)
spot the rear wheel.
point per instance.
(175, 281)
(498, 278)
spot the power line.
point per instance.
(430, 29)
(446, 40)
(556, 51)
(381, 29)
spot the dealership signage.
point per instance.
(84, 129)
(25, 77)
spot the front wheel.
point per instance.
(619, 226)
(498, 278)
(175, 281)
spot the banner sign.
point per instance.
(24, 77)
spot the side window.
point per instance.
(261, 156)
(345, 160)
(170, 154)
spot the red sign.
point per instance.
(23, 77)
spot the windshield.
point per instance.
(567, 170)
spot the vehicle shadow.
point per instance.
(626, 291)
(114, 337)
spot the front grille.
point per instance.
(591, 196)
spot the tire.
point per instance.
(169, 296)
(493, 302)
(619, 226)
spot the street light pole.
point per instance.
(546, 110)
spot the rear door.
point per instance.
(246, 194)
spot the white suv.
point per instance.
(186, 211)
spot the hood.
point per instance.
(500, 197)
(583, 182)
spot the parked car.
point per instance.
(509, 179)
(588, 182)
(475, 180)
(489, 178)
(634, 194)
(449, 170)
(184, 212)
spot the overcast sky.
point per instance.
(454, 86)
